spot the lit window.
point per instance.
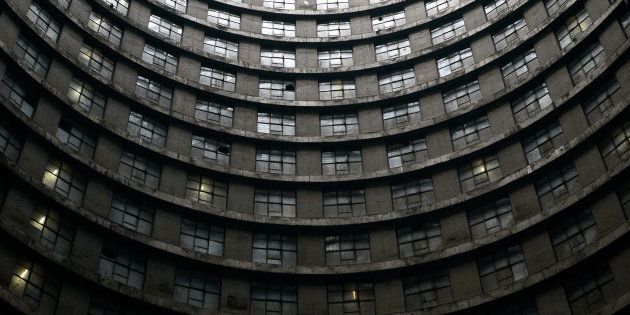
(224, 19)
(276, 123)
(274, 249)
(393, 49)
(96, 61)
(332, 4)
(406, 152)
(76, 137)
(339, 124)
(197, 288)
(479, 172)
(214, 113)
(206, 190)
(461, 96)
(146, 129)
(336, 89)
(335, 58)
(519, 67)
(165, 28)
(501, 268)
(274, 202)
(344, 203)
(275, 161)
(470, 132)
(34, 283)
(43, 21)
(218, 79)
(131, 214)
(210, 150)
(347, 249)
(64, 179)
(396, 81)
(333, 29)
(455, 61)
(87, 97)
(541, 144)
(140, 169)
(587, 61)
(510, 34)
(104, 27)
(557, 185)
(122, 265)
(490, 218)
(419, 238)
(154, 91)
(341, 162)
(220, 47)
(401, 114)
(273, 298)
(202, 236)
(30, 54)
(277, 58)
(573, 26)
(388, 21)
(159, 58)
(573, 234)
(413, 193)
(530, 103)
(447, 31)
(425, 291)
(277, 89)
(436, 6)
(278, 28)
(351, 298)
(52, 230)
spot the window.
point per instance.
(436, 6)
(413, 193)
(96, 61)
(554, 6)
(344, 203)
(210, 150)
(396, 81)
(541, 144)
(197, 288)
(275, 161)
(279, 4)
(572, 27)
(104, 27)
(388, 21)
(336, 89)
(510, 34)
(76, 137)
(332, 4)
(351, 297)
(461, 96)
(557, 184)
(341, 162)
(448, 31)
(218, 79)
(273, 298)
(10, 142)
(165, 28)
(43, 21)
(501, 268)
(274, 202)
(587, 61)
(159, 58)
(490, 218)
(179, 5)
(87, 97)
(121, 6)
(616, 145)
(424, 291)
(573, 233)
(591, 289)
(146, 129)
(276, 123)
(600, 100)
(393, 49)
(625, 23)
(64, 179)
(277, 89)
(406, 152)
(498, 7)
(220, 47)
(479, 172)
(139, 169)
(52, 230)
(335, 58)
(202, 236)
(333, 29)
(623, 193)
(277, 58)
(278, 28)
(339, 124)
(34, 283)
(224, 19)
(274, 249)
(519, 67)
(122, 265)
(31, 55)
(211, 112)
(347, 249)
(470, 132)
(455, 61)
(66, 3)
(401, 114)
(530, 103)
(207, 191)
(154, 91)
(131, 214)
(419, 238)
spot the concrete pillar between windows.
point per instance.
(383, 244)
(465, 280)
(553, 301)
(538, 253)
(607, 212)
(309, 203)
(310, 250)
(238, 244)
(73, 299)
(378, 199)
(389, 295)
(312, 299)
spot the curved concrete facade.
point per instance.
(314, 157)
